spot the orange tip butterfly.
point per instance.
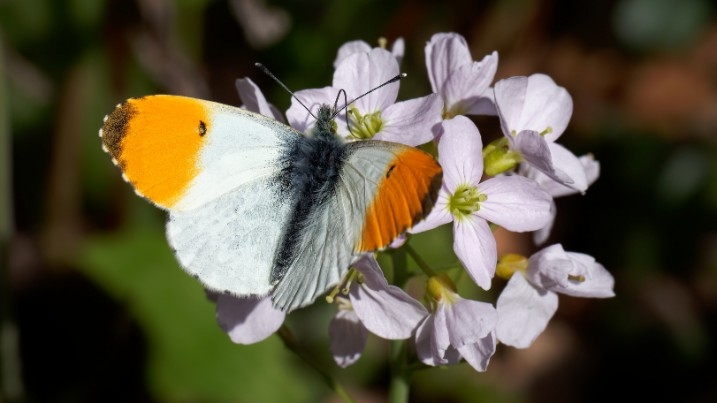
(257, 207)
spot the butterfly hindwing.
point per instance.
(384, 189)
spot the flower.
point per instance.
(248, 320)
(374, 116)
(457, 328)
(398, 49)
(513, 202)
(374, 305)
(533, 113)
(529, 299)
(463, 84)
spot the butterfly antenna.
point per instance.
(270, 74)
(392, 80)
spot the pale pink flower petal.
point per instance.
(523, 312)
(533, 103)
(566, 162)
(474, 244)
(467, 90)
(347, 337)
(591, 168)
(460, 152)
(445, 52)
(255, 101)
(385, 310)
(248, 320)
(410, 122)
(349, 48)
(536, 151)
(398, 49)
(478, 354)
(541, 235)
(516, 203)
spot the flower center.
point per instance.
(344, 287)
(498, 157)
(509, 264)
(465, 201)
(366, 126)
(440, 288)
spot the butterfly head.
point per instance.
(325, 124)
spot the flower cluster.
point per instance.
(510, 182)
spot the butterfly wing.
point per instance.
(215, 168)
(383, 190)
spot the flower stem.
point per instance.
(290, 342)
(399, 388)
(419, 261)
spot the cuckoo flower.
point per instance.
(514, 202)
(533, 113)
(368, 302)
(457, 328)
(463, 84)
(529, 299)
(377, 115)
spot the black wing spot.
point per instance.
(390, 169)
(202, 128)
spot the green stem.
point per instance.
(400, 385)
(419, 261)
(290, 342)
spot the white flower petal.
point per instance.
(566, 162)
(255, 101)
(536, 151)
(468, 84)
(248, 320)
(349, 48)
(515, 203)
(556, 189)
(385, 310)
(411, 122)
(445, 52)
(425, 346)
(523, 312)
(469, 321)
(460, 152)
(542, 235)
(347, 338)
(474, 244)
(398, 49)
(533, 103)
(478, 354)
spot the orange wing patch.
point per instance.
(156, 140)
(406, 195)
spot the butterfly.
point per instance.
(257, 207)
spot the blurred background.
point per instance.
(95, 308)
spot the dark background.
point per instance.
(96, 309)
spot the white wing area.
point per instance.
(241, 147)
(327, 245)
(225, 230)
(230, 243)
